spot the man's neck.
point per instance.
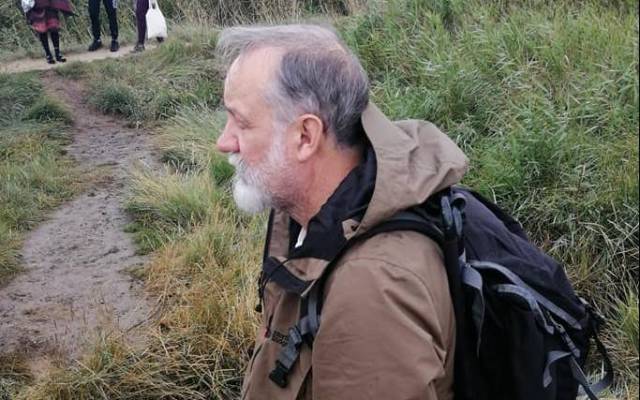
(324, 178)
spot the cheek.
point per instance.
(253, 151)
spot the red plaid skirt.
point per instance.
(44, 20)
(44, 16)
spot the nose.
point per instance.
(227, 142)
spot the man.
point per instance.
(94, 13)
(306, 141)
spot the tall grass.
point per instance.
(542, 95)
(34, 174)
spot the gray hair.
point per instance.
(318, 74)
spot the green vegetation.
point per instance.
(34, 174)
(543, 97)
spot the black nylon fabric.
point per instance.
(514, 345)
(487, 238)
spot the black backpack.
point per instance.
(521, 331)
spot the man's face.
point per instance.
(255, 141)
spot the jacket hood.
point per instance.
(414, 160)
(407, 162)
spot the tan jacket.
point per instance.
(387, 325)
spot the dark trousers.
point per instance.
(94, 13)
(142, 6)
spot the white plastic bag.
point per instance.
(156, 24)
(27, 5)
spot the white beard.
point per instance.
(250, 183)
(249, 191)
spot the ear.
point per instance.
(310, 136)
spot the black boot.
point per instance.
(50, 59)
(115, 46)
(59, 57)
(95, 45)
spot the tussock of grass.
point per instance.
(187, 141)
(154, 86)
(47, 109)
(74, 70)
(16, 93)
(114, 98)
(169, 206)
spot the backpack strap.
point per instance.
(591, 390)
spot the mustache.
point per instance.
(237, 162)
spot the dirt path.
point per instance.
(75, 279)
(41, 65)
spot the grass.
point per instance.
(48, 110)
(542, 96)
(34, 173)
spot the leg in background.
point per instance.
(55, 38)
(111, 6)
(142, 6)
(94, 14)
(44, 39)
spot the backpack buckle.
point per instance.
(279, 375)
(452, 216)
(287, 357)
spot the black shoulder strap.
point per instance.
(410, 220)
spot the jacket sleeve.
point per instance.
(385, 334)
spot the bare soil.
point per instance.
(76, 280)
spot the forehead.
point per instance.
(250, 73)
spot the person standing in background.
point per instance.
(94, 13)
(142, 6)
(45, 21)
